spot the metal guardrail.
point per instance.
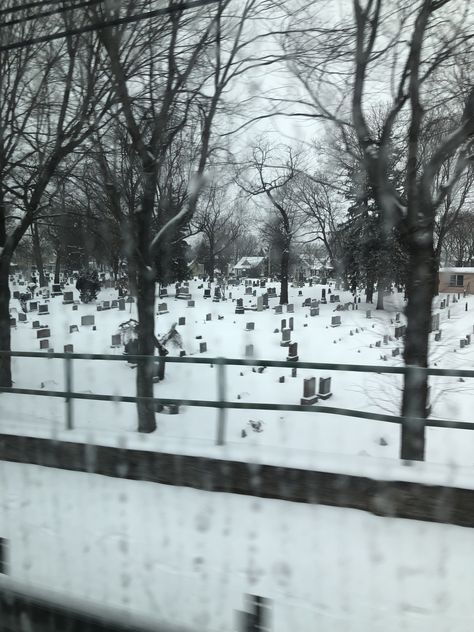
(221, 404)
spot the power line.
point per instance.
(182, 6)
(26, 18)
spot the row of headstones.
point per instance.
(290, 308)
(445, 301)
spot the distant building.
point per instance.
(250, 266)
(456, 280)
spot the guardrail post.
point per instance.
(69, 400)
(221, 395)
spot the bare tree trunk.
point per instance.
(57, 266)
(146, 303)
(146, 346)
(418, 311)
(284, 265)
(380, 291)
(5, 339)
(38, 255)
(369, 291)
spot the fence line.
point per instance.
(221, 404)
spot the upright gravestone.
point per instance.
(285, 338)
(43, 310)
(239, 306)
(292, 352)
(324, 388)
(202, 347)
(191, 303)
(259, 303)
(291, 323)
(12, 322)
(162, 308)
(116, 340)
(368, 314)
(68, 348)
(278, 309)
(323, 296)
(399, 331)
(68, 298)
(207, 293)
(208, 316)
(56, 290)
(335, 321)
(181, 320)
(88, 320)
(397, 317)
(44, 344)
(309, 392)
(314, 311)
(22, 317)
(121, 304)
(290, 308)
(43, 333)
(249, 326)
(283, 324)
(265, 300)
(249, 351)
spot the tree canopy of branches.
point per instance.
(418, 55)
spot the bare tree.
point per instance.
(220, 222)
(185, 61)
(275, 179)
(49, 96)
(414, 49)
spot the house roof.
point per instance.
(457, 270)
(248, 262)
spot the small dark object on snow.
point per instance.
(256, 425)
(383, 441)
(243, 433)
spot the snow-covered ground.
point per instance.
(307, 437)
(188, 557)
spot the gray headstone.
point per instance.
(181, 320)
(324, 387)
(368, 314)
(208, 316)
(33, 306)
(43, 309)
(121, 304)
(309, 387)
(68, 298)
(314, 311)
(43, 333)
(285, 338)
(88, 320)
(278, 309)
(259, 303)
(22, 317)
(335, 321)
(68, 348)
(191, 303)
(116, 340)
(290, 308)
(291, 323)
(293, 352)
(249, 351)
(73, 328)
(44, 344)
(250, 326)
(202, 347)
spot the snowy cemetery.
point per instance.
(244, 320)
(97, 521)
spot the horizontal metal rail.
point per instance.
(203, 403)
(328, 366)
(68, 395)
